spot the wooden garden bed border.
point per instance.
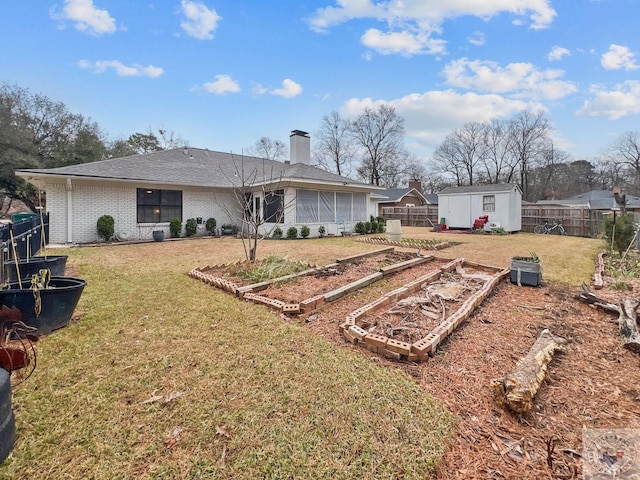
(420, 350)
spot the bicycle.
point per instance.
(548, 228)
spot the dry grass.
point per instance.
(255, 396)
(568, 260)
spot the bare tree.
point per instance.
(335, 146)
(498, 164)
(267, 148)
(380, 134)
(624, 153)
(462, 152)
(529, 137)
(259, 197)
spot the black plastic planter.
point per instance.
(56, 264)
(57, 303)
(7, 420)
(525, 272)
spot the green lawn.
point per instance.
(253, 396)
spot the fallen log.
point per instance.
(627, 316)
(598, 276)
(518, 389)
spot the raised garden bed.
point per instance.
(409, 323)
(424, 244)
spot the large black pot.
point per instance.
(57, 303)
(7, 420)
(56, 264)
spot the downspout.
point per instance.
(69, 211)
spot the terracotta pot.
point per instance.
(13, 355)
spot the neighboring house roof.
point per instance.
(196, 167)
(397, 194)
(492, 188)
(432, 198)
(595, 200)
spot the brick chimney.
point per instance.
(417, 184)
(300, 147)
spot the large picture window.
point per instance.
(157, 206)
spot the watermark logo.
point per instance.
(611, 454)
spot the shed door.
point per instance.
(459, 214)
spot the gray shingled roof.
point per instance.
(595, 199)
(396, 194)
(493, 188)
(195, 167)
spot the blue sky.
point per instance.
(223, 73)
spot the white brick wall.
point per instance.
(94, 199)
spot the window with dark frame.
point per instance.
(273, 209)
(158, 206)
(488, 203)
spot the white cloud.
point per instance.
(259, 89)
(432, 115)
(289, 89)
(619, 58)
(623, 100)
(477, 39)
(200, 21)
(404, 43)
(86, 17)
(426, 17)
(517, 79)
(121, 70)
(557, 53)
(223, 84)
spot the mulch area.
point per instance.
(595, 383)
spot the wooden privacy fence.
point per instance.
(577, 221)
(426, 216)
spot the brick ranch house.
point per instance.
(143, 192)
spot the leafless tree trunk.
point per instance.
(334, 144)
(529, 136)
(252, 187)
(380, 134)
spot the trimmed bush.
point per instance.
(210, 225)
(380, 220)
(304, 231)
(292, 233)
(321, 231)
(360, 228)
(105, 227)
(381, 225)
(175, 227)
(191, 227)
(374, 227)
(277, 233)
(367, 227)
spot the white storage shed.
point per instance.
(502, 203)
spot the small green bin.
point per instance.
(18, 217)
